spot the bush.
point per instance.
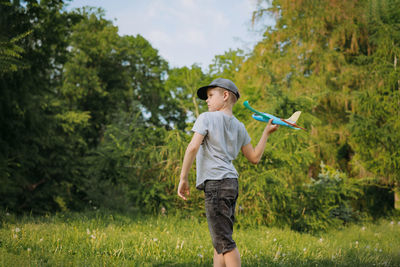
(325, 202)
(310, 207)
(122, 172)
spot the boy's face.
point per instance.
(215, 99)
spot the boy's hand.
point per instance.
(183, 189)
(270, 128)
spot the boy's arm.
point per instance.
(190, 154)
(254, 154)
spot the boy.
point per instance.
(218, 137)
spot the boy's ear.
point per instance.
(226, 95)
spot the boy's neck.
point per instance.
(227, 111)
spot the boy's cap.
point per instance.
(219, 82)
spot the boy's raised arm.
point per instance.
(190, 155)
(254, 154)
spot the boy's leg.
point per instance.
(229, 259)
(232, 258)
(218, 259)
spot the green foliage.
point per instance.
(325, 202)
(337, 62)
(122, 172)
(375, 124)
(315, 206)
(55, 114)
(37, 157)
(106, 73)
(376, 201)
(11, 54)
(228, 64)
(182, 83)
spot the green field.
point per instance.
(104, 239)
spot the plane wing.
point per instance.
(294, 117)
(265, 117)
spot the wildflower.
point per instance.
(17, 230)
(164, 250)
(363, 228)
(177, 244)
(7, 214)
(380, 250)
(274, 239)
(392, 222)
(88, 231)
(367, 247)
(201, 256)
(41, 240)
(398, 223)
(155, 239)
(29, 249)
(93, 237)
(163, 210)
(304, 249)
(321, 240)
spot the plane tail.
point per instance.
(294, 117)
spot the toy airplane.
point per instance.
(265, 117)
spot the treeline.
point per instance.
(94, 120)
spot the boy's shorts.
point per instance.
(220, 202)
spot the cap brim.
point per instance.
(202, 92)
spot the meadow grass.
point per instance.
(106, 239)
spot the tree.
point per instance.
(228, 64)
(33, 161)
(183, 84)
(107, 73)
(374, 123)
(335, 61)
(310, 56)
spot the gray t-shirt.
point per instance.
(224, 137)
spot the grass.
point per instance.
(104, 239)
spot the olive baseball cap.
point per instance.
(219, 82)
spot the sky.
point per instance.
(185, 31)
